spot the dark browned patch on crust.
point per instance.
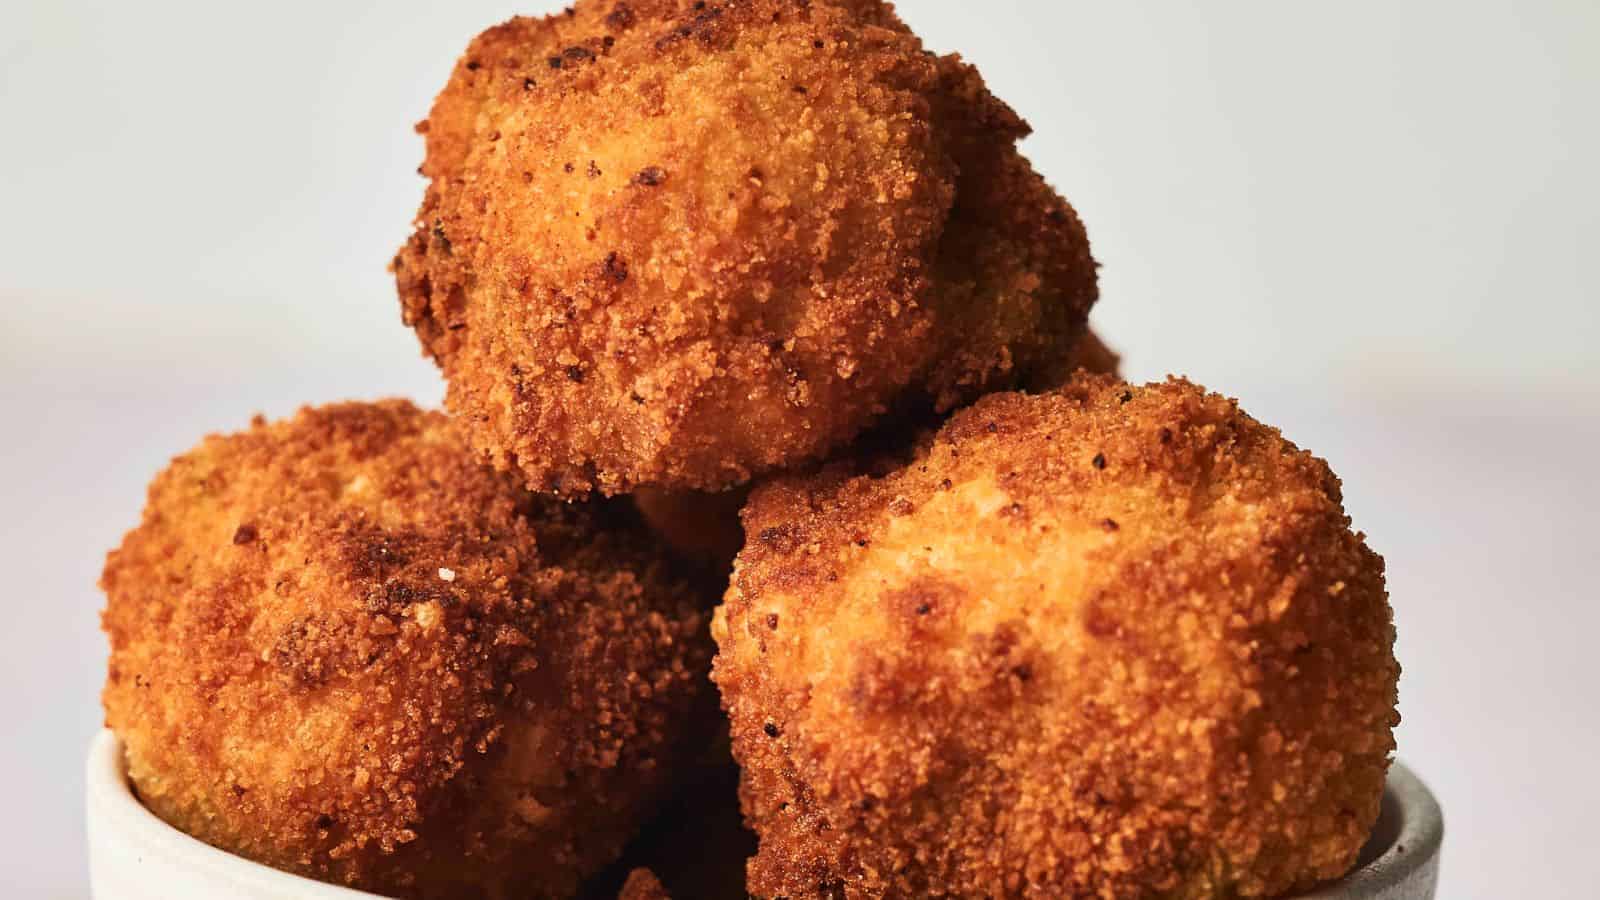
(615, 267)
(620, 18)
(924, 601)
(700, 26)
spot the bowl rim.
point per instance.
(1409, 860)
(112, 805)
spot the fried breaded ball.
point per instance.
(342, 646)
(1112, 641)
(678, 244)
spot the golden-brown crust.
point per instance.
(343, 647)
(1110, 641)
(679, 244)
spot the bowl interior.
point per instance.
(136, 856)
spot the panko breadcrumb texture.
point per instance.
(1110, 641)
(342, 646)
(678, 244)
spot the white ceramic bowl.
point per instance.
(135, 856)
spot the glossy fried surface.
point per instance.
(678, 244)
(1112, 641)
(343, 647)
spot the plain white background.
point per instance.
(1376, 223)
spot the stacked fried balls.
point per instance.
(786, 531)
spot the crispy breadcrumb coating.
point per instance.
(679, 244)
(703, 528)
(343, 647)
(1112, 641)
